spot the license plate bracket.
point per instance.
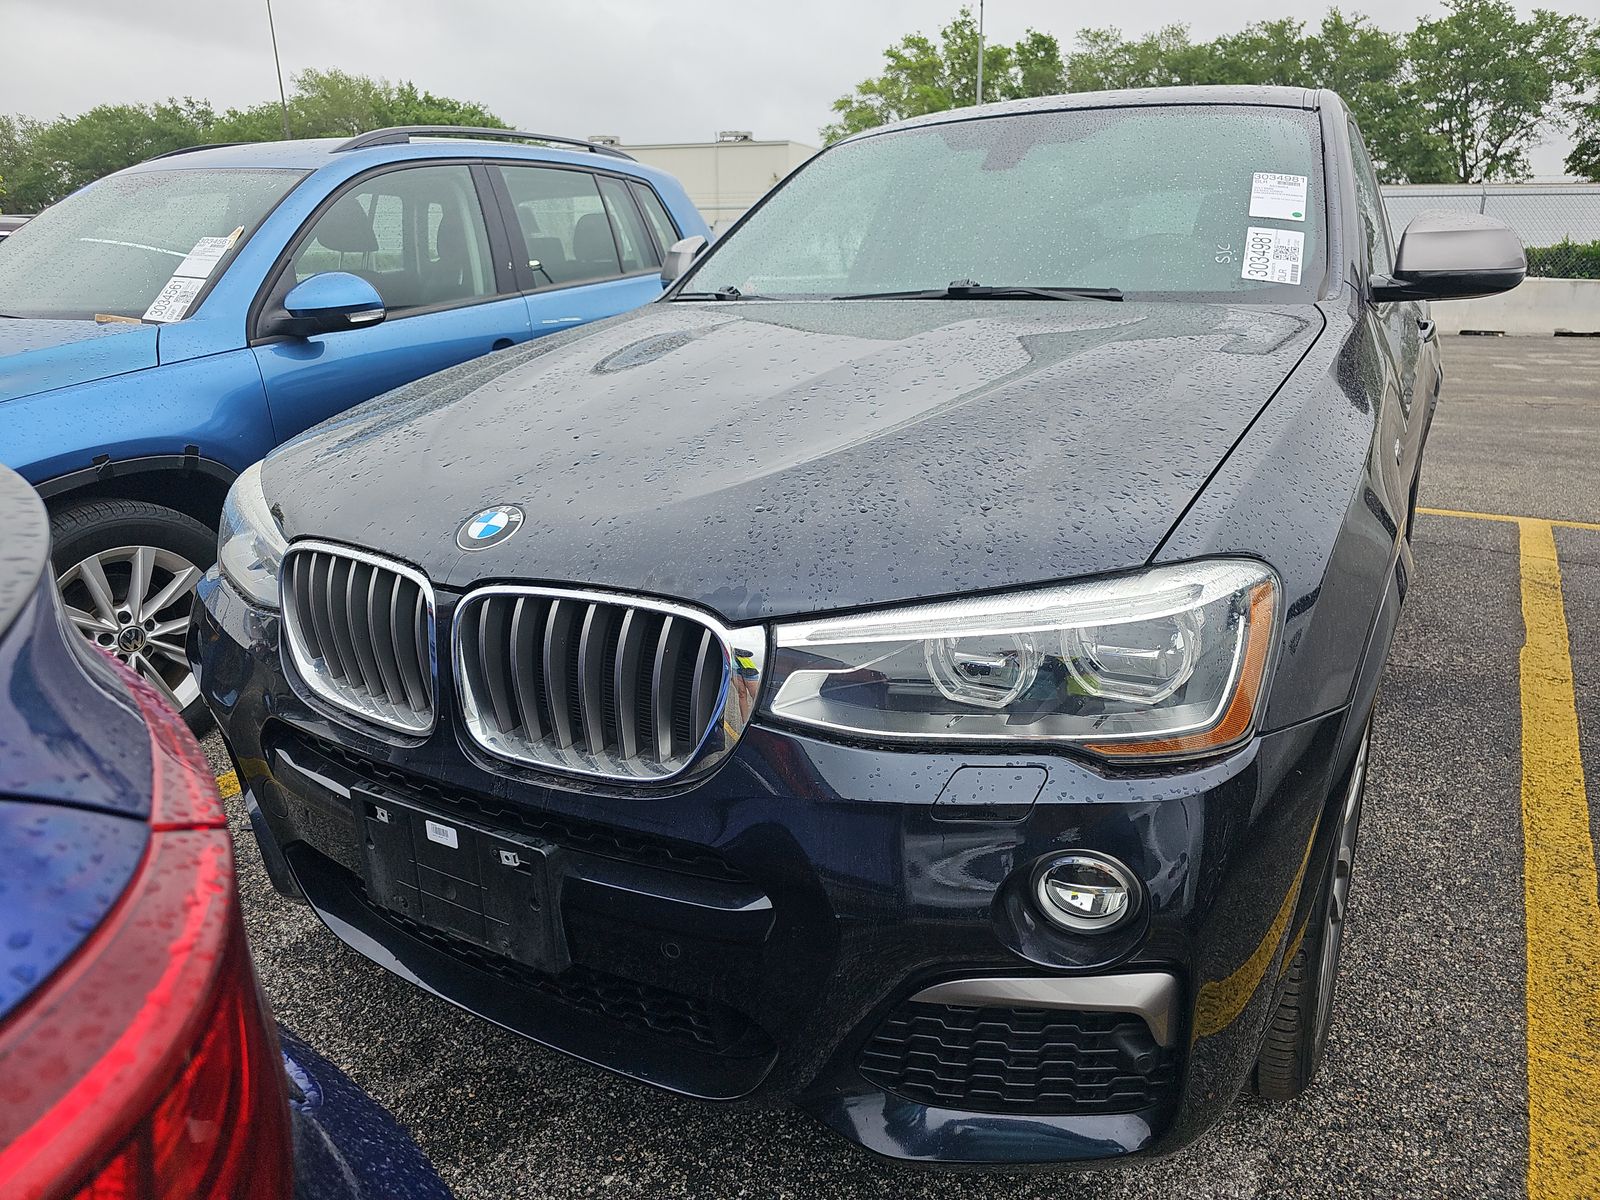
(499, 892)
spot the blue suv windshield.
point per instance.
(1216, 202)
(111, 248)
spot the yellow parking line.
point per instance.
(1560, 894)
(228, 784)
(1515, 520)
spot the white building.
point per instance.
(724, 177)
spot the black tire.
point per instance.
(1297, 1038)
(100, 527)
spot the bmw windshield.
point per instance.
(110, 249)
(1219, 202)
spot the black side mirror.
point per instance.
(1453, 256)
(326, 303)
(680, 257)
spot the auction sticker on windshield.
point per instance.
(1273, 255)
(203, 259)
(174, 299)
(180, 291)
(1278, 197)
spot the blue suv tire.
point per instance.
(127, 570)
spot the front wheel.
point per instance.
(127, 570)
(1298, 1035)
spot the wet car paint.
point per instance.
(66, 868)
(876, 891)
(75, 798)
(807, 456)
(345, 1140)
(774, 492)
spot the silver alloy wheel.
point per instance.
(1339, 901)
(135, 602)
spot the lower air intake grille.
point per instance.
(601, 685)
(1019, 1060)
(652, 1010)
(359, 630)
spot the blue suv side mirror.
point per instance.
(680, 257)
(328, 303)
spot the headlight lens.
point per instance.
(250, 544)
(1165, 663)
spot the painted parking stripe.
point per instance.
(228, 784)
(1515, 520)
(1560, 893)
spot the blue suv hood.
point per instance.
(39, 356)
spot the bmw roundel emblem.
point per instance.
(489, 527)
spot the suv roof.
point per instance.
(388, 143)
(1166, 97)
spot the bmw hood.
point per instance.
(765, 459)
(39, 356)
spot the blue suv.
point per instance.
(164, 327)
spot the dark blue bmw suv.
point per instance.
(164, 327)
(921, 668)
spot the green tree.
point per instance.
(335, 103)
(16, 139)
(1268, 53)
(1105, 60)
(1490, 85)
(41, 162)
(1039, 70)
(1362, 63)
(59, 157)
(1584, 111)
(921, 76)
(1460, 98)
(1367, 66)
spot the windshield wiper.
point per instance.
(966, 289)
(724, 293)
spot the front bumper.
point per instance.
(772, 931)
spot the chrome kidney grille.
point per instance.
(608, 686)
(359, 631)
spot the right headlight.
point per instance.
(1169, 662)
(250, 544)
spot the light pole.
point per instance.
(980, 52)
(283, 101)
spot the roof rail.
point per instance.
(398, 134)
(191, 150)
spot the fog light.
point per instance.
(1084, 892)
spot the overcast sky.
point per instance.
(647, 70)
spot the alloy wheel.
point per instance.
(135, 601)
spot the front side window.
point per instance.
(564, 226)
(111, 248)
(1369, 205)
(656, 213)
(417, 235)
(1154, 200)
(633, 239)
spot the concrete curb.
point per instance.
(1538, 308)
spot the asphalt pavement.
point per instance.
(1471, 912)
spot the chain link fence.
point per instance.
(1559, 223)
